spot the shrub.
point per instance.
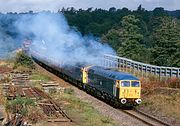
(19, 105)
(24, 60)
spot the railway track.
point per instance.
(48, 105)
(138, 115)
(145, 118)
(21, 88)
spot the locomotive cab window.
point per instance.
(125, 83)
(135, 84)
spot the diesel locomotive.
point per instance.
(114, 87)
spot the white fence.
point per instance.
(128, 65)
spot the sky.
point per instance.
(54, 5)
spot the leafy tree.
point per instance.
(113, 38)
(159, 12)
(112, 9)
(131, 38)
(167, 43)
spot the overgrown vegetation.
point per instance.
(152, 82)
(20, 105)
(164, 104)
(23, 60)
(161, 98)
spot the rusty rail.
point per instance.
(48, 105)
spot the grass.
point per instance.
(168, 105)
(81, 112)
(23, 69)
(84, 114)
(40, 76)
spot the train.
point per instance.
(114, 87)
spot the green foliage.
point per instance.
(113, 38)
(166, 39)
(24, 60)
(40, 76)
(147, 36)
(97, 21)
(126, 40)
(20, 105)
(130, 38)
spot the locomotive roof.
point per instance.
(115, 75)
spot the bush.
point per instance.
(24, 60)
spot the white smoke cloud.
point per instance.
(7, 44)
(54, 39)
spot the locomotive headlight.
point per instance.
(123, 101)
(138, 101)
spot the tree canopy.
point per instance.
(147, 36)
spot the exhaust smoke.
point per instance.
(54, 39)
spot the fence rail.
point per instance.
(128, 65)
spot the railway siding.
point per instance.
(50, 107)
(20, 86)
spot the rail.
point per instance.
(131, 66)
(145, 118)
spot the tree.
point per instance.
(112, 9)
(139, 9)
(159, 12)
(113, 38)
(167, 43)
(131, 38)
